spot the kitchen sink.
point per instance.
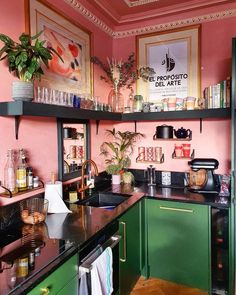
(107, 200)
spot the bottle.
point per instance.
(9, 172)
(21, 172)
(31, 260)
(29, 178)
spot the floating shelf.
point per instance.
(173, 115)
(173, 139)
(147, 161)
(25, 108)
(182, 158)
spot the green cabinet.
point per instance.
(179, 242)
(130, 248)
(63, 280)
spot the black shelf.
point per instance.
(173, 115)
(23, 108)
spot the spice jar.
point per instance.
(138, 103)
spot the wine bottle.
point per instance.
(21, 172)
(9, 172)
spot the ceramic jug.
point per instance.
(182, 133)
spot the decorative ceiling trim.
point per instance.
(90, 16)
(148, 29)
(176, 24)
(138, 2)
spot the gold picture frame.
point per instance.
(70, 40)
(175, 57)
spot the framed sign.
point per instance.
(70, 41)
(174, 55)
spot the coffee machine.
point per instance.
(201, 176)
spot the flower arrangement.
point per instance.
(123, 73)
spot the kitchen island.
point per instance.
(64, 235)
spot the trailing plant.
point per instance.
(118, 150)
(24, 58)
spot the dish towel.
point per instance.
(102, 274)
(83, 285)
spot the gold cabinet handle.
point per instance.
(176, 209)
(45, 291)
(124, 244)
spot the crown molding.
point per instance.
(138, 2)
(90, 16)
(176, 24)
(75, 4)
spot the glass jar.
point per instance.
(138, 103)
(116, 101)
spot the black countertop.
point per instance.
(63, 235)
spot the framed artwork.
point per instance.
(70, 41)
(175, 57)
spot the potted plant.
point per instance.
(24, 60)
(117, 152)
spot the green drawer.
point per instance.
(58, 279)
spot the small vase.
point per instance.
(116, 101)
(116, 179)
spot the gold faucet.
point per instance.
(83, 187)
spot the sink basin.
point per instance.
(105, 200)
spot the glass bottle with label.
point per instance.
(9, 172)
(21, 172)
(29, 177)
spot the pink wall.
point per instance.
(216, 52)
(39, 135)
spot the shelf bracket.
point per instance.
(200, 125)
(97, 126)
(135, 126)
(17, 124)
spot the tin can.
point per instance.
(150, 156)
(158, 152)
(141, 153)
(72, 151)
(79, 152)
(23, 267)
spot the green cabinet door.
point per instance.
(179, 242)
(71, 288)
(129, 229)
(57, 280)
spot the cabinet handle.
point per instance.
(124, 245)
(176, 209)
(45, 291)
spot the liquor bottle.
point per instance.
(21, 172)
(9, 172)
(30, 177)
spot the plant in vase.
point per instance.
(121, 74)
(118, 150)
(24, 60)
